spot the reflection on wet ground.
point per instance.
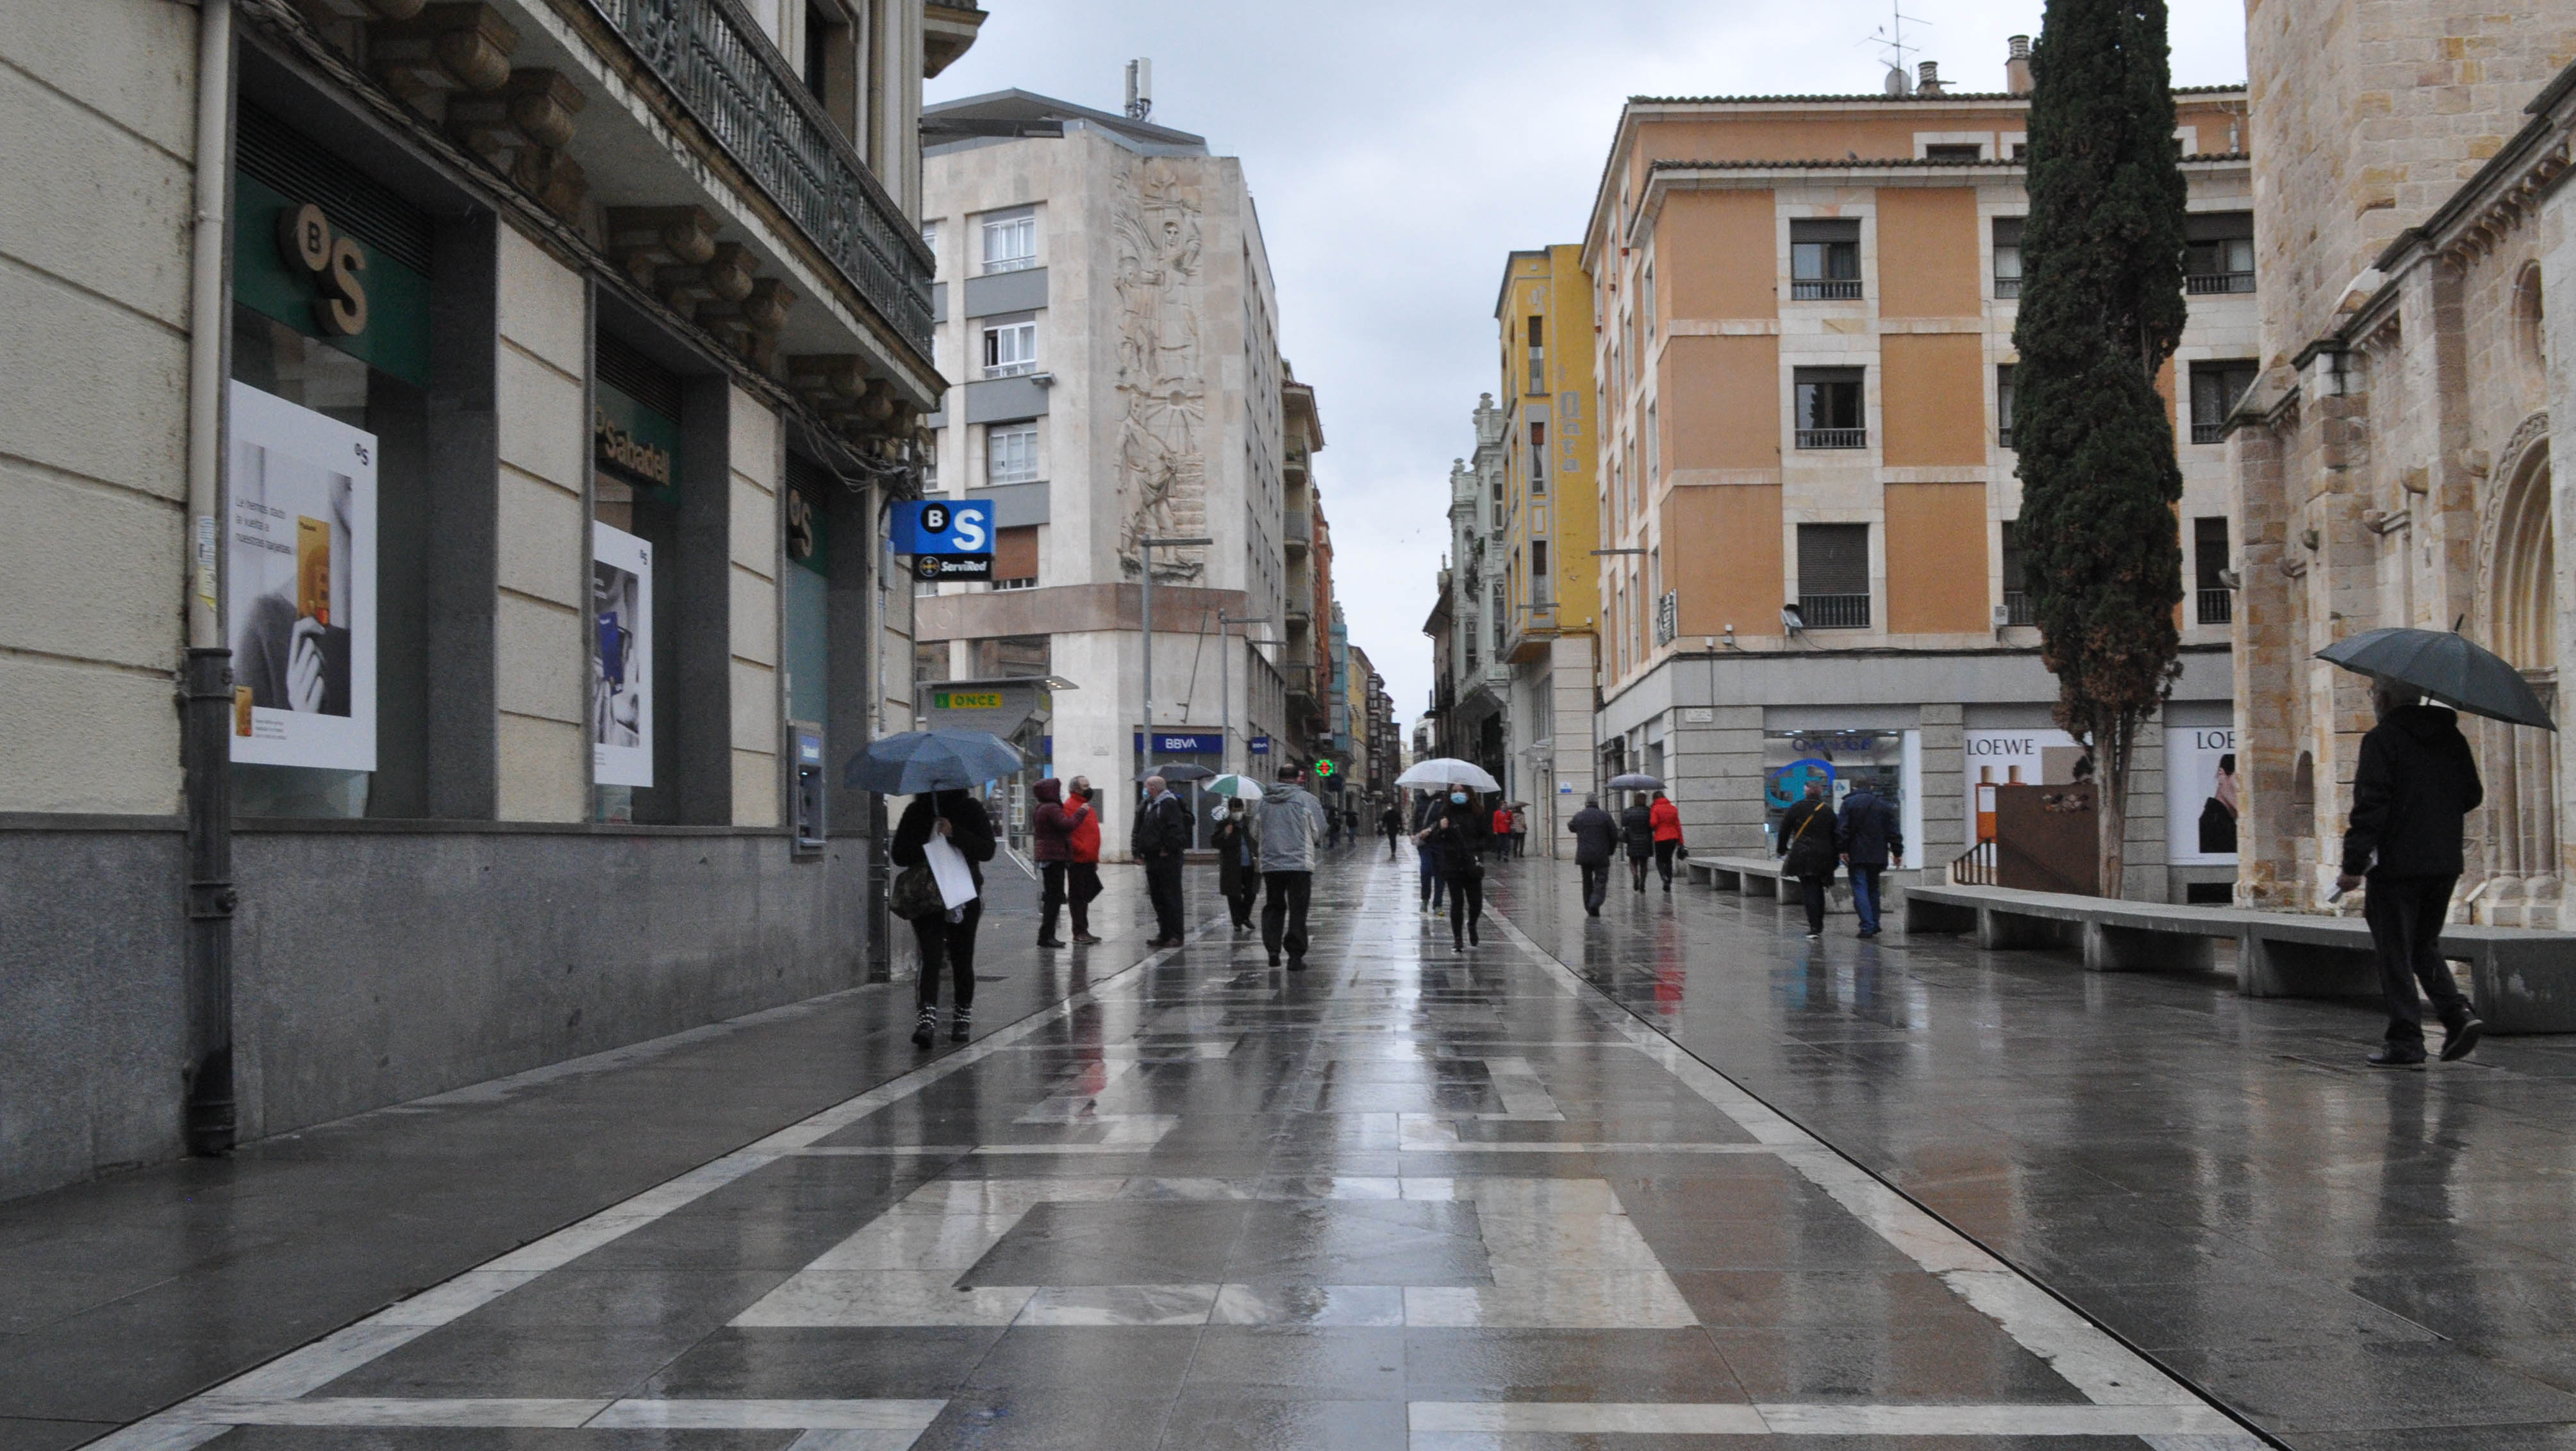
(1409, 1197)
(2350, 1257)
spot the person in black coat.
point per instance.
(945, 936)
(1435, 880)
(1808, 849)
(1637, 831)
(1161, 835)
(1237, 879)
(1871, 836)
(1596, 840)
(1460, 829)
(2415, 782)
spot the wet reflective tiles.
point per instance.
(1405, 1198)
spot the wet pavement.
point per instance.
(1408, 1197)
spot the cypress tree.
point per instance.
(2101, 313)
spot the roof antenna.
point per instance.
(1890, 38)
(1140, 88)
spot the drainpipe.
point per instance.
(206, 681)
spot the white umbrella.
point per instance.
(1240, 788)
(1449, 771)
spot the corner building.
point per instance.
(1109, 313)
(1548, 580)
(1805, 475)
(480, 423)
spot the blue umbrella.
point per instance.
(942, 760)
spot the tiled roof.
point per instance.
(1982, 96)
(1863, 163)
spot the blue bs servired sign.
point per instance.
(947, 539)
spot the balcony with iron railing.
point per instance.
(2215, 606)
(726, 75)
(1824, 289)
(2207, 284)
(1834, 612)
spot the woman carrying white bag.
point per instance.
(945, 834)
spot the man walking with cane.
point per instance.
(2415, 782)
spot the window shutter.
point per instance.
(1015, 552)
(1833, 559)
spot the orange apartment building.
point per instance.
(1804, 310)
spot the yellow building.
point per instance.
(1545, 525)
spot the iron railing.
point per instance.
(1826, 289)
(1834, 612)
(1833, 438)
(2007, 287)
(2217, 606)
(2208, 432)
(1974, 867)
(2018, 609)
(727, 75)
(2201, 284)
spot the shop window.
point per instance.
(326, 474)
(805, 589)
(636, 452)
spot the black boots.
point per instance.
(957, 1026)
(926, 1031)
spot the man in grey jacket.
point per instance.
(1284, 833)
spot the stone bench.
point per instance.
(2523, 981)
(1761, 876)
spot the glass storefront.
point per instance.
(1891, 761)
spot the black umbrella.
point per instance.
(2445, 666)
(1176, 772)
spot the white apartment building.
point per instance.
(1106, 307)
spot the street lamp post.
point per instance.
(1146, 547)
(1225, 683)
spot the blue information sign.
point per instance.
(1261, 745)
(1169, 744)
(942, 526)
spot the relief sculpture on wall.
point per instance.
(1162, 386)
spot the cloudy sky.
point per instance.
(1398, 151)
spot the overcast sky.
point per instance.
(1398, 151)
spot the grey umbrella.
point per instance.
(2447, 667)
(1635, 781)
(942, 760)
(1175, 772)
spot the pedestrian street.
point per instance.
(1408, 1196)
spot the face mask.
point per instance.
(1457, 798)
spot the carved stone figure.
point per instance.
(1162, 385)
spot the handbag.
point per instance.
(915, 894)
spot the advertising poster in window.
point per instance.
(2013, 758)
(1891, 761)
(2200, 796)
(300, 585)
(621, 667)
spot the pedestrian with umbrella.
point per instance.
(2414, 785)
(941, 843)
(1238, 872)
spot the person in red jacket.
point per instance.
(1666, 818)
(1082, 864)
(1501, 834)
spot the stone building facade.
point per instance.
(486, 452)
(1806, 479)
(2391, 467)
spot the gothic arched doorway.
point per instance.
(2521, 764)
